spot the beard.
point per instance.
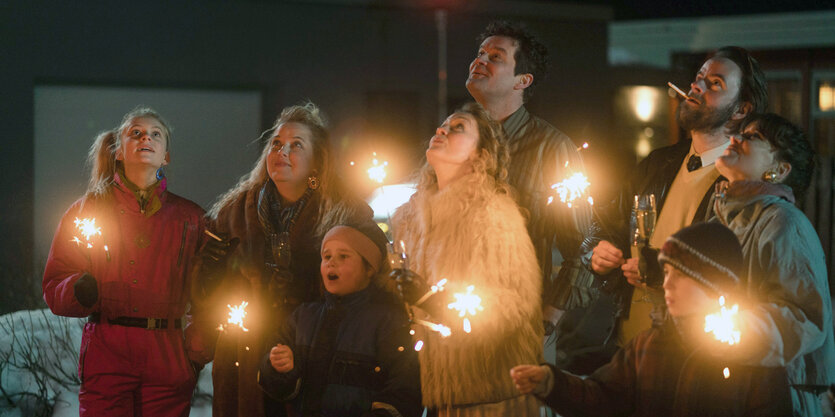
(703, 118)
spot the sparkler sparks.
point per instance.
(437, 327)
(88, 229)
(237, 314)
(726, 373)
(572, 188)
(438, 287)
(723, 324)
(466, 303)
(377, 172)
(419, 345)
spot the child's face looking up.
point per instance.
(684, 296)
(343, 270)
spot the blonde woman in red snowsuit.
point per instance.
(131, 280)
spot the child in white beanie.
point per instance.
(350, 354)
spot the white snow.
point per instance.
(38, 366)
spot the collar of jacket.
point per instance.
(126, 193)
(515, 121)
(742, 194)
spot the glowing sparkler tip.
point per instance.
(572, 188)
(419, 345)
(237, 314)
(726, 373)
(467, 327)
(466, 303)
(723, 324)
(351, 163)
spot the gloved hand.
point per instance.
(410, 285)
(86, 290)
(215, 251)
(212, 264)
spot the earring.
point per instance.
(160, 174)
(313, 182)
(770, 176)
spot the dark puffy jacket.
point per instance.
(351, 354)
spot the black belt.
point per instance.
(141, 322)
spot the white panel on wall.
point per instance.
(214, 142)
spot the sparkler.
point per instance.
(377, 171)
(437, 327)
(466, 303)
(87, 227)
(438, 287)
(723, 324)
(677, 90)
(237, 314)
(572, 188)
(419, 345)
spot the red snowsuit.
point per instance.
(126, 370)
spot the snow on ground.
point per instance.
(38, 367)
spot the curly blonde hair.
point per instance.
(490, 161)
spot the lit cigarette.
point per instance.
(212, 235)
(678, 90)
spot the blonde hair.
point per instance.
(330, 186)
(490, 161)
(102, 155)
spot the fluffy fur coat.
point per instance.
(472, 235)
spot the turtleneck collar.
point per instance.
(351, 299)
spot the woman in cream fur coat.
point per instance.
(463, 225)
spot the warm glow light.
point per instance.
(571, 188)
(643, 147)
(726, 372)
(466, 303)
(87, 227)
(643, 100)
(419, 345)
(826, 97)
(723, 324)
(377, 172)
(386, 199)
(467, 327)
(383, 226)
(237, 314)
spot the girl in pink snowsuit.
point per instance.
(128, 272)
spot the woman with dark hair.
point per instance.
(277, 213)
(791, 325)
(128, 272)
(462, 225)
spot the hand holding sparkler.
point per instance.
(281, 358)
(86, 290)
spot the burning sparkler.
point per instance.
(466, 303)
(572, 188)
(723, 324)
(377, 171)
(88, 228)
(237, 314)
(438, 287)
(437, 327)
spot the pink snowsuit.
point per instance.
(130, 371)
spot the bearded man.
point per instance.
(728, 89)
